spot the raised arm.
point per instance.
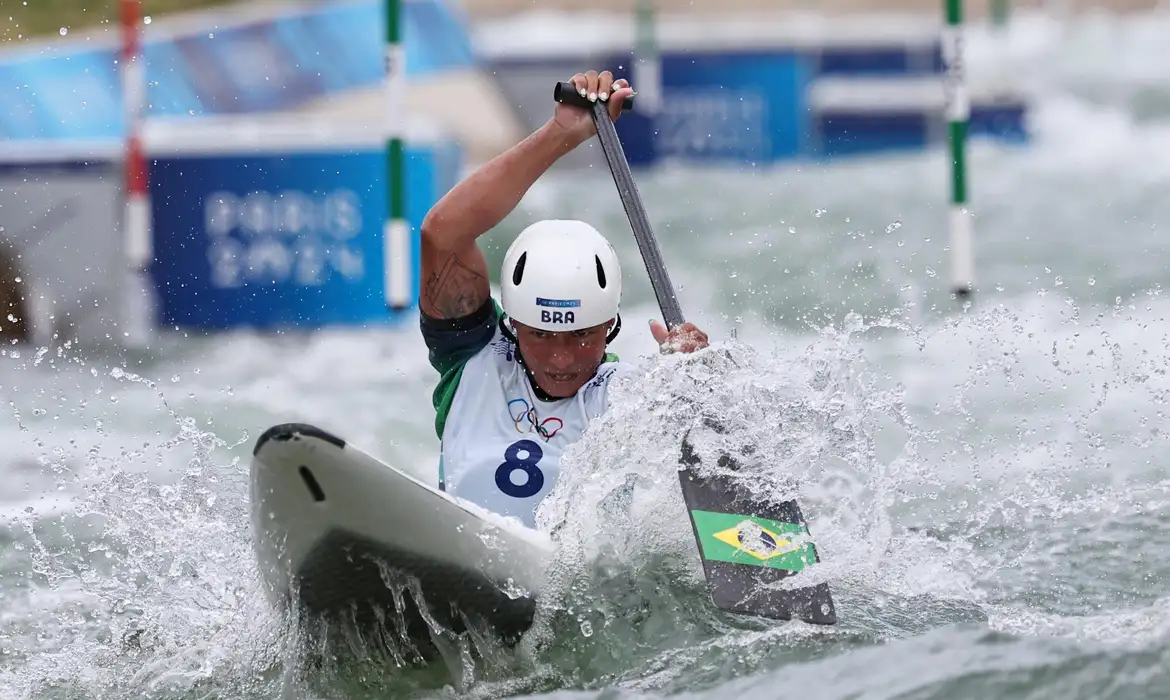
(454, 271)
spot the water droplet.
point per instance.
(1092, 281)
(894, 227)
(733, 274)
(1059, 281)
(211, 35)
(901, 243)
(586, 628)
(931, 273)
(146, 19)
(64, 31)
(819, 212)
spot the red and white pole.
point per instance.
(137, 215)
(138, 294)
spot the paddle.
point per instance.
(746, 543)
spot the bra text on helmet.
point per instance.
(556, 316)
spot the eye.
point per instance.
(584, 333)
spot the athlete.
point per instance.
(521, 379)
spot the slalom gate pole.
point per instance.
(647, 67)
(958, 113)
(396, 229)
(138, 248)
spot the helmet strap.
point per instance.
(506, 329)
(613, 332)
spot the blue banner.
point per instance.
(282, 240)
(752, 107)
(274, 64)
(720, 106)
(756, 106)
(734, 106)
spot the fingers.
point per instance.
(604, 85)
(620, 92)
(688, 338)
(685, 338)
(659, 332)
(587, 83)
(581, 82)
(595, 86)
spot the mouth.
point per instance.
(562, 377)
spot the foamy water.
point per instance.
(986, 485)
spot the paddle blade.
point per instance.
(749, 545)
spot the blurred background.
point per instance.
(292, 98)
(198, 241)
(221, 169)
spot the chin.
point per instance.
(562, 390)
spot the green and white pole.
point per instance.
(647, 73)
(396, 229)
(1000, 13)
(958, 113)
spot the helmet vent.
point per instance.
(518, 271)
(600, 272)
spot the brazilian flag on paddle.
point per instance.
(748, 545)
(754, 541)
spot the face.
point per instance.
(561, 363)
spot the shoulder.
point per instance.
(451, 342)
(501, 348)
(610, 368)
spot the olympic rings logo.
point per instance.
(522, 412)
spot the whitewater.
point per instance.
(986, 482)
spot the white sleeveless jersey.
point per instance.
(501, 445)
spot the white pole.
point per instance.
(647, 68)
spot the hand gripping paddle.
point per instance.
(746, 543)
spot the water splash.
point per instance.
(152, 584)
(805, 427)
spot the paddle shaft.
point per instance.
(619, 167)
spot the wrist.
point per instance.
(563, 139)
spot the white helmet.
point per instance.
(561, 275)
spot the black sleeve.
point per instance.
(452, 341)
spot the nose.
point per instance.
(561, 358)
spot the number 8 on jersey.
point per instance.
(513, 463)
